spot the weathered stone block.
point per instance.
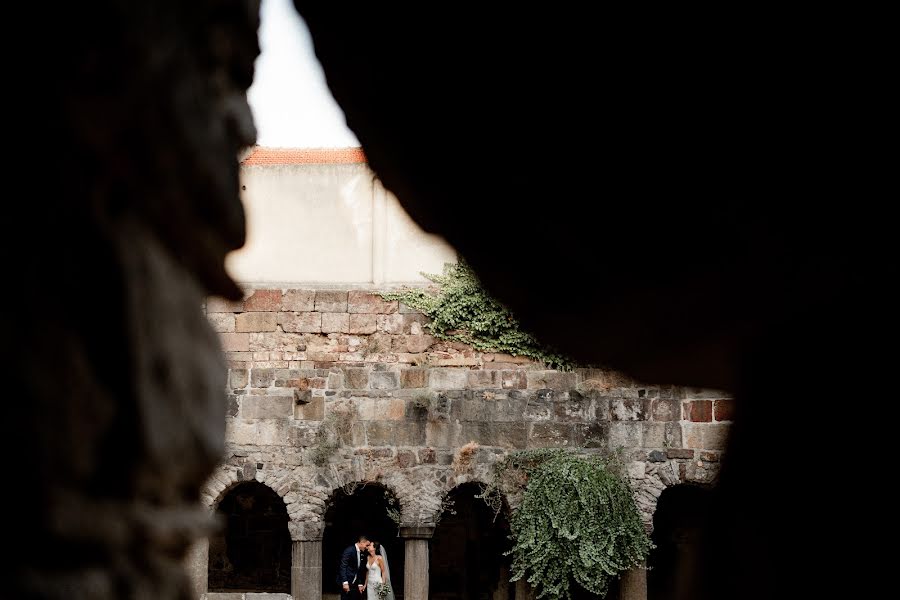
(414, 378)
(628, 434)
(267, 407)
(654, 435)
(220, 305)
(573, 407)
(238, 378)
(673, 435)
(427, 456)
(384, 380)
(334, 381)
(511, 408)
(406, 459)
(448, 379)
(715, 436)
(255, 321)
(329, 301)
(221, 322)
(443, 434)
(262, 378)
(362, 324)
(540, 406)
(629, 409)
(514, 379)
(551, 435)
(483, 379)
(264, 301)
(235, 342)
(273, 432)
(314, 410)
(679, 453)
(356, 378)
(335, 323)
(234, 405)
(298, 301)
(724, 410)
(308, 322)
(368, 302)
(392, 324)
(418, 343)
(592, 435)
(698, 411)
(509, 435)
(665, 410)
(552, 380)
(692, 435)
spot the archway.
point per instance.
(681, 513)
(364, 511)
(253, 552)
(467, 559)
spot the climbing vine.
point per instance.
(577, 523)
(462, 311)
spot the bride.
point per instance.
(377, 572)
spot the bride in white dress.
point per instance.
(377, 572)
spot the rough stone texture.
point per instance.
(332, 302)
(370, 302)
(335, 323)
(362, 323)
(235, 342)
(255, 322)
(298, 301)
(410, 413)
(413, 378)
(263, 300)
(221, 322)
(310, 322)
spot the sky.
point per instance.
(291, 104)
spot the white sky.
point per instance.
(291, 103)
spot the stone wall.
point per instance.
(403, 403)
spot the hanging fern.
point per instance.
(578, 523)
(462, 311)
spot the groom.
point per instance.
(352, 572)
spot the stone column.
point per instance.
(523, 590)
(633, 584)
(415, 580)
(306, 561)
(197, 561)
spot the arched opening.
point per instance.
(364, 511)
(678, 521)
(467, 559)
(253, 552)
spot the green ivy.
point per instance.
(577, 524)
(462, 311)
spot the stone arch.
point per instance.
(649, 480)
(252, 552)
(682, 513)
(361, 508)
(467, 551)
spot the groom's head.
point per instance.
(363, 542)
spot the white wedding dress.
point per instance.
(374, 581)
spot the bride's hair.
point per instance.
(377, 546)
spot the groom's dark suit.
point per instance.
(353, 571)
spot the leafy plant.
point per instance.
(462, 311)
(577, 524)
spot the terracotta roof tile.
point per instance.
(303, 156)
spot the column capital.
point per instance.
(417, 532)
(306, 532)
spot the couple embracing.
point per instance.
(364, 571)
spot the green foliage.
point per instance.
(462, 311)
(578, 522)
